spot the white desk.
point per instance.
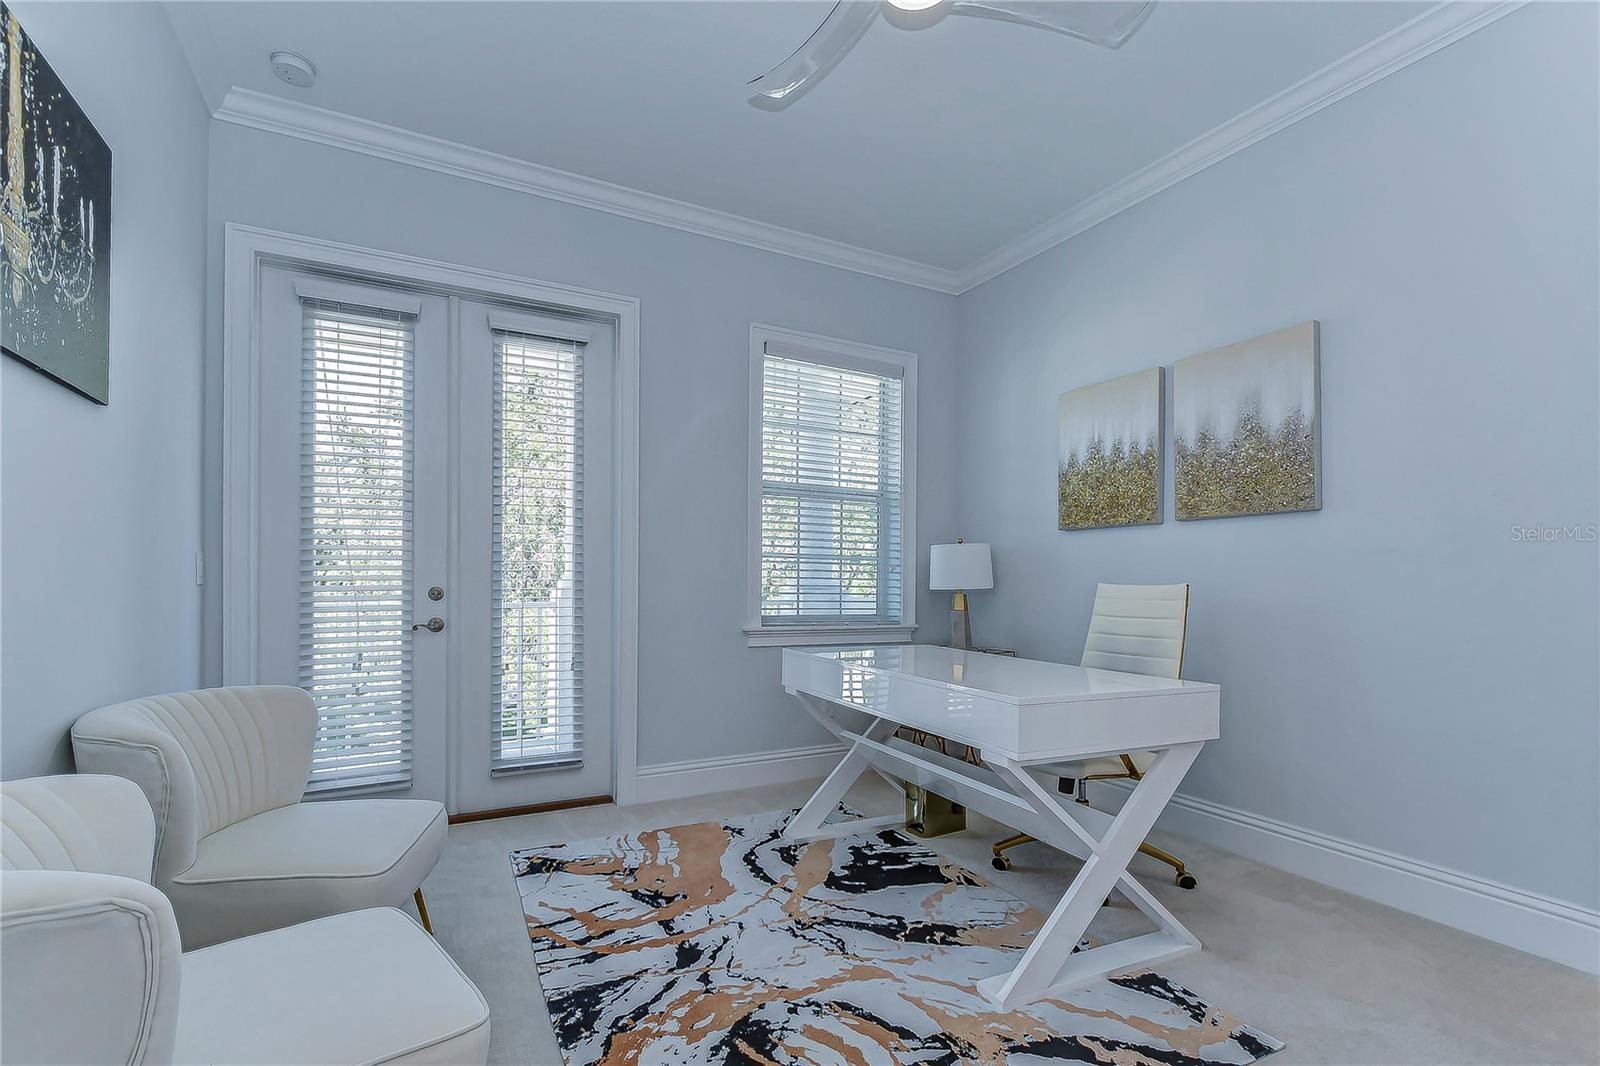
(1020, 714)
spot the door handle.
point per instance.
(432, 625)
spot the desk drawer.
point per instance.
(959, 715)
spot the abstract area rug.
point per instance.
(719, 943)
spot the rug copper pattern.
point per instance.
(718, 942)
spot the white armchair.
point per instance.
(91, 969)
(237, 851)
(88, 960)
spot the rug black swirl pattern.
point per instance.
(718, 942)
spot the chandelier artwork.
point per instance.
(55, 223)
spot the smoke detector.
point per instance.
(295, 69)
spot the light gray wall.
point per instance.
(702, 693)
(1397, 669)
(102, 504)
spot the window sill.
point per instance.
(568, 762)
(357, 788)
(807, 636)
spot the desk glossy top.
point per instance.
(1002, 677)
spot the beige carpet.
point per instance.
(1338, 979)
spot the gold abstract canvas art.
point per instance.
(1245, 428)
(1110, 471)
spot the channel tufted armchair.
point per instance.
(91, 970)
(238, 850)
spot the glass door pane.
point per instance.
(534, 694)
(352, 523)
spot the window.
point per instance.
(355, 554)
(537, 666)
(831, 490)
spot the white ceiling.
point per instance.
(936, 145)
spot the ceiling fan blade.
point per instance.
(1107, 23)
(838, 34)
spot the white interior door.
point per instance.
(534, 552)
(352, 523)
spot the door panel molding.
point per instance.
(247, 250)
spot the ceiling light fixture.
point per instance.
(1107, 23)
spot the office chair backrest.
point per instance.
(1138, 629)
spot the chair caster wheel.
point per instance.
(1000, 862)
(1187, 881)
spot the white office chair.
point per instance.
(91, 970)
(237, 851)
(1137, 629)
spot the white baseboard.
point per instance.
(1562, 932)
(1553, 929)
(676, 780)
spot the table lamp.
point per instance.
(960, 566)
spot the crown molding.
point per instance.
(1441, 25)
(272, 114)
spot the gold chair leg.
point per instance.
(1001, 861)
(422, 911)
(1181, 873)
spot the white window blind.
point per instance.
(830, 550)
(537, 626)
(355, 549)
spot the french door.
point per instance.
(533, 649)
(434, 523)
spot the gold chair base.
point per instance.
(1001, 860)
(1181, 875)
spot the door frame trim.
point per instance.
(246, 250)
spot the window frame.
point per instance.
(849, 355)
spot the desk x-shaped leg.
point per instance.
(811, 821)
(1049, 963)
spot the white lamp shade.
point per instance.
(960, 566)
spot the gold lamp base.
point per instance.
(929, 814)
(960, 623)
